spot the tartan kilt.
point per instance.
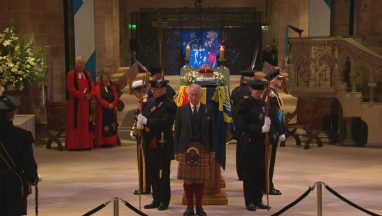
(199, 172)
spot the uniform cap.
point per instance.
(8, 103)
(137, 84)
(158, 83)
(257, 84)
(247, 73)
(154, 71)
(274, 74)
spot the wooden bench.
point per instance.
(308, 115)
(56, 118)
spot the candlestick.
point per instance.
(221, 52)
(188, 52)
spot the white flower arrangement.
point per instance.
(191, 76)
(219, 78)
(19, 64)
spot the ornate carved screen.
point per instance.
(240, 27)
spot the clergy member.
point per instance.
(79, 85)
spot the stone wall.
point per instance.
(288, 12)
(107, 30)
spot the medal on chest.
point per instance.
(156, 107)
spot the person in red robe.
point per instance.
(80, 85)
(106, 114)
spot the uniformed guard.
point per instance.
(238, 94)
(157, 121)
(156, 74)
(276, 133)
(18, 168)
(252, 124)
(138, 89)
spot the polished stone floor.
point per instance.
(75, 182)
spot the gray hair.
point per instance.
(196, 86)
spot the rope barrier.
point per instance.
(318, 184)
(349, 202)
(305, 194)
(133, 208)
(96, 209)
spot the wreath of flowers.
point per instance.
(191, 76)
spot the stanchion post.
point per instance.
(116, 206)
(319, 198)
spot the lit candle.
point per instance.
(221, 53)
(188, 51)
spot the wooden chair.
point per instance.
(56, 113)
(308, 115)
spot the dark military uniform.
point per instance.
(238, 94)
(249, 126)
(18, 143)
(160, 113)
(277, 126)
(277, 129)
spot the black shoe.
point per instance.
(251, 207)
(274, 192)
(262, 206)
(189, 212)
(151, 206)
(201, 212)
(162, 207)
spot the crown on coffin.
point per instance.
(205, 72)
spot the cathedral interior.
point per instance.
(330, 52)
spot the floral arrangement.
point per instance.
(19, 64)
(191, 76)
(219, 78)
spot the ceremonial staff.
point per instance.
(268, 147)
(139, 135)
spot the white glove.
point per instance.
(282, 137)
(141, 120)
(267, 125)
(140, 126)
(132, 135)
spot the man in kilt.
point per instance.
(156, 121)
(194, 147)
(252, 124)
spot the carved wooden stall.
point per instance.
(341, 74)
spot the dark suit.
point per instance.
(18, 143)
(238, 94)
(183, 128)
(250, 121)
(160, 114)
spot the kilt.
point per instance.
(195, 173)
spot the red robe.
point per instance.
(78, 137)
(102, 103)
